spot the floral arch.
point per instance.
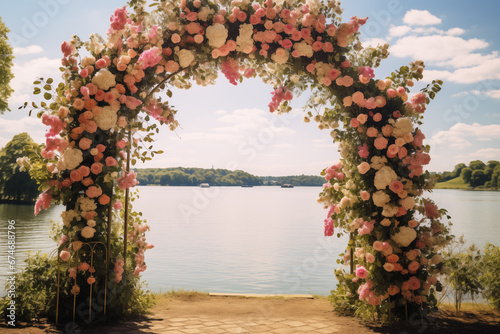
(104, 114)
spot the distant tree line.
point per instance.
(296, 180)
(477, 174)
(180, 176)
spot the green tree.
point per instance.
(490, 272)
(165, 179)
(478, 178)
(466, 174)
(5, 68)
(458, 169)
(495, 177)
(465, 266)
(14, 184)
(493, 164)
(477, 164)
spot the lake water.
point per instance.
(253, 240)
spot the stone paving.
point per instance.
(245, 316)
(220, 315)
(208, 325)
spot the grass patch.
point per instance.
(180, 294)
(456, 183)
(468, 308)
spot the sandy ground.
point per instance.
(203, 314)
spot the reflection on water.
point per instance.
(231, 239)
(32, 233)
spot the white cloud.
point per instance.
(483, 154)
(489, 70)
(455, 32)
(374, 42)
(460, 135)
(420, 18)
(32, 125)
(398, 31)
(494, 94)
(27, 72)
(28, 50)
(436, 48)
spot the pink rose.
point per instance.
(96, 168)
(378, 246)
(380, 143)
(388, 266)
(413, 266)
(363, 167)
(361, 272)
(65, 255)
(370, 258)
(365, 195)
(431, 210)
(328, 227)
(396, 186)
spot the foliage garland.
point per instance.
(374, 193)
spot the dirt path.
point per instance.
(194, 314)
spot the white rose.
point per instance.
(384, 177)
(217, 35)
(378, 162)
(380, 198)
(186, 57)
(389, 210)
(72, 157)
(89, 60)
(405, 236)
(106, 119)
(408, 203)
(304, 49)
(68, 216)
(204, 13)
(280, 59)
(244, 41)
(104, 79)
(402, 126)
(88, 232)
(87, 204)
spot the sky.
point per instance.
(228, 126)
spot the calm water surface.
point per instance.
(254, 240)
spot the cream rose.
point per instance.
(104, 79)
(217, 35)
(405, 236)
(88, 232)
(106, 119)
(384, 177)
(186, 57)
(403, 126)
(380, 198)
(72, 157)
(408, 203)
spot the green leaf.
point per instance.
(169, 93)
(47, 96)
(50, 80)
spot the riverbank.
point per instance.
(192, 312)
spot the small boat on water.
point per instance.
(204, 185)
(247, 186)
(287, 185)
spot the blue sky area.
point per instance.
(230, 126)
